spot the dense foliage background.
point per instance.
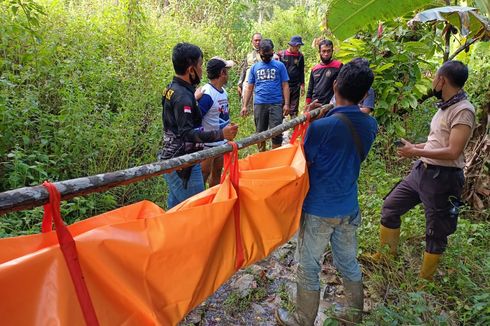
(80, 87)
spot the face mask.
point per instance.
(195, 80)
(266, 57)
(437, 94)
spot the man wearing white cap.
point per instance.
(214, 107)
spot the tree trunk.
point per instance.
(447, 41)
(28, 197)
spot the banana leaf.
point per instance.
(466, 19)
(347, 17)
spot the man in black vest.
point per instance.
(294, 61)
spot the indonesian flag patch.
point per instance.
(187, 109)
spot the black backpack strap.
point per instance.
(354, 134)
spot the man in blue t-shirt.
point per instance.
(334, 147)
(268, 80)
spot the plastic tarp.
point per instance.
(144, 266)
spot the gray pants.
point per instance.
(439, 189)
(268, 116)
(315, 233)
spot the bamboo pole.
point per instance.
(29, 197)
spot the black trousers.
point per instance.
(439, 190)
(294, 95)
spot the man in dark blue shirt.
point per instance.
(335, 146)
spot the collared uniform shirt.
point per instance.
(182, 121)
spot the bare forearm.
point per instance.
(247, 94)
(285, 93)
(446, 153)
(458, 138)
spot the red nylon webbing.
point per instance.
(300, 130)
(69, 249)
(231, 166)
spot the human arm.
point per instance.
(301, 66)
(243, 73)
(367, 104)
(205, 103)
(458, 138)
(285, 88)
(247, 94)
(198, 93)
(230, 131)
(248, 91)
(315, 105)
(183, 108)
(366, 110)
(286, 95)
(311, 85)
(314, 135)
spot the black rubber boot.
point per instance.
(351, 313)
(306, 309)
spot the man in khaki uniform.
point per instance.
(437, 178)
(252, 58)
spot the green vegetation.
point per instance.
(286, 301)
(238, 302)
(80, 85)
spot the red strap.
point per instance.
(300, 130)
(47, 225)
(231, 166)
(68, 247)
(308, 117)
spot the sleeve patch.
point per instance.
(169, 93)
(187, 109)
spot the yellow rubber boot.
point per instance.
(387, 236)
(429, 265)
(390, 237)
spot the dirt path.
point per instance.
(251, 296)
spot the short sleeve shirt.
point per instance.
(214, 108)
(368, 102)
(461, 113)
(268, 79)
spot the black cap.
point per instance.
(266, 45)
(216, 64)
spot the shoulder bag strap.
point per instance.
(354, 134)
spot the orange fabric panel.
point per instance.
(16, 247)
(273, 186)
(143, 266)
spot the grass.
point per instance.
(459, 294)
(286, 302)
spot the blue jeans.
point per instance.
(176, 191)
(314, 235)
